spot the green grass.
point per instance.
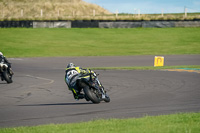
(21, 42)
(191, 67)
(176, 123)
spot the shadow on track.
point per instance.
(3, 83)
(55, 104)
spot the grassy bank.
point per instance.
(99, 42)
(48, 9)
(74, 10)
(176, 123)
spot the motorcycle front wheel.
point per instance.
(7, 77)
(107, 99)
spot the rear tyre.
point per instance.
(7, 77)
(91, 95)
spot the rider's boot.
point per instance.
(76, 98)
(81, 96)
(77, 95)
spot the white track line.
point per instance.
(50, 80)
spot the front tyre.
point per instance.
(7, 77)
(91, 95)
(107, 99)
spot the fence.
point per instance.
(99, 24)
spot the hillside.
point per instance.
(73, 10)
(48, 9)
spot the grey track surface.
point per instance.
(39, 94)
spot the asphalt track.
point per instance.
(39, 95)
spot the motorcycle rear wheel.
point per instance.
(91, 95)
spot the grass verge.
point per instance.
(176, 123)
(19, 42)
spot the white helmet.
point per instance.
(1, 53)
(71, 65)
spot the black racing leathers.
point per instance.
(71, 76)
(4, 60)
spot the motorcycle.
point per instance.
(93, 89)
(5, 73)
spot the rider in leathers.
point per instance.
(4, 60)
(73, 73)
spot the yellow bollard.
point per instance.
(158, 61)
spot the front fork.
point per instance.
(101, 88)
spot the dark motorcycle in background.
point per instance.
(5, 74)
(93, 89)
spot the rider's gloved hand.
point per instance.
(83, 71)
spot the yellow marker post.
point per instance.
(158, 61)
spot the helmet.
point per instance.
(1, 53)
(71, 65)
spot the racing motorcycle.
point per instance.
(93, 89)
(5, 73)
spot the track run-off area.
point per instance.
(39, 95)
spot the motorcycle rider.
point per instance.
(73, 73)
(4, 60)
